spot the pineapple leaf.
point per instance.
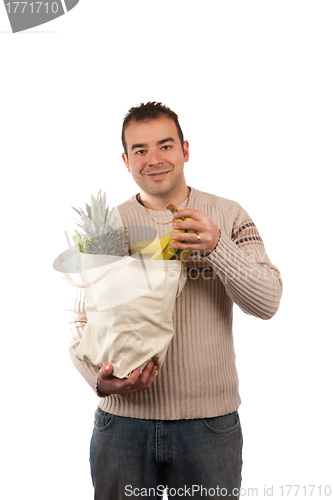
(99, 235)
(88, 209)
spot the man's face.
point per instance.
(155, 156)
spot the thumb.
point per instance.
(107, 370)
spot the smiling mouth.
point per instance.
(158, 175)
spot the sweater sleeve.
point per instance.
(240, 261)
(77, 325)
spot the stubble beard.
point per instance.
(162, 190)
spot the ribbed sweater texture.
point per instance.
(199, 378)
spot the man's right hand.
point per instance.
(108, 384)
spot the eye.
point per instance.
(140, 152)
(166, 147)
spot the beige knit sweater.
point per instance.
(198, 378)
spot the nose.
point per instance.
(155, 159)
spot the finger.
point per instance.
(133, 378)
(187, 224)
(185, 237)
(147, 376)
(189, 212)
(146, 372)
(188, 245)
(106, 371)
(151, 376)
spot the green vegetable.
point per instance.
(98, 232)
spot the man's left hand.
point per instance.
(202, 225)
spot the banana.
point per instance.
(168, 251)
(161, 247)
(183, 254)
(151, 246)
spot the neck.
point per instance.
(161, 201)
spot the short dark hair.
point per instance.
(147, 112)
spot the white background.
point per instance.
(252, 84)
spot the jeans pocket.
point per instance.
(224, 424)
(103, 420)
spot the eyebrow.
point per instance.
(162, 141)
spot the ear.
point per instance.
(124, 157)
(186, 151)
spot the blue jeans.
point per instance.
(137, 458)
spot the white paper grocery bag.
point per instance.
(129, 308)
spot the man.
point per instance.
(181, 429)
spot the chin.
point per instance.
(158, 188)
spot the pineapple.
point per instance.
(99, 235)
